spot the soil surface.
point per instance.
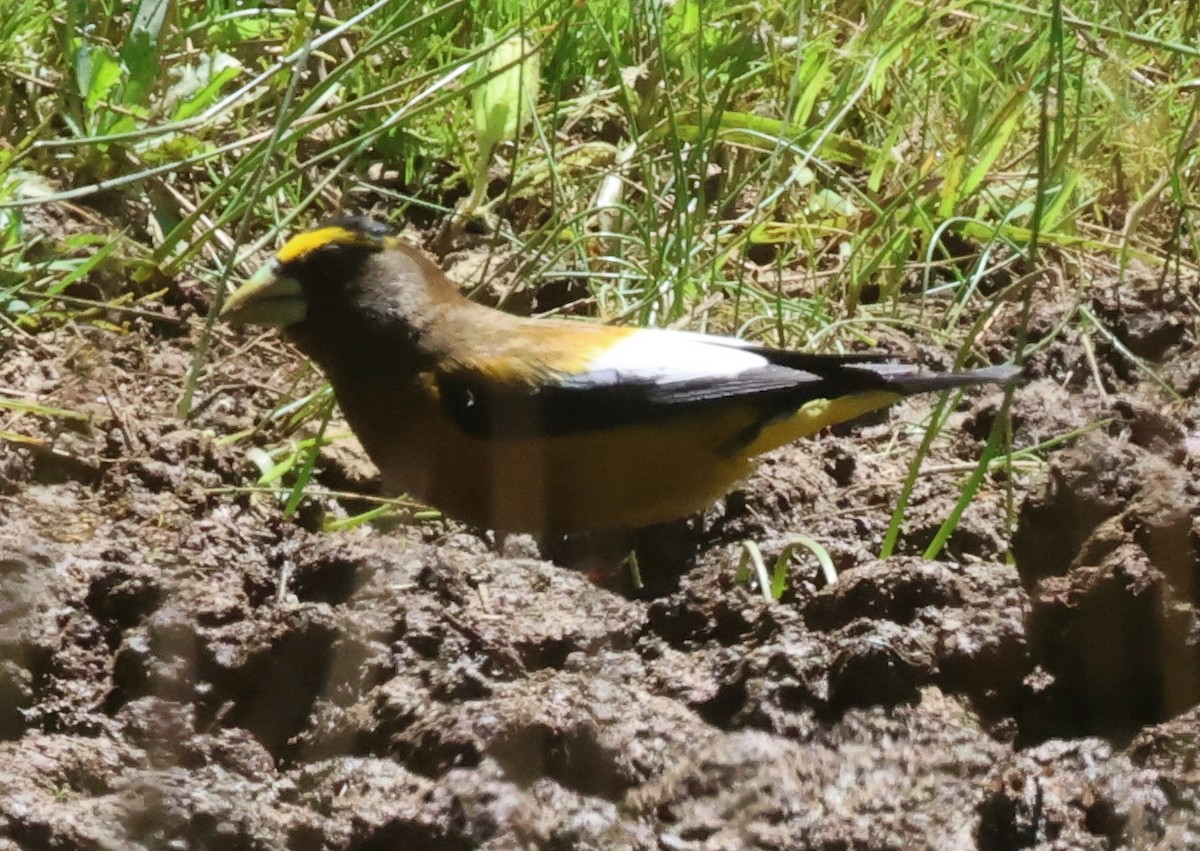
(181, 667)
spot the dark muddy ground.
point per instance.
(181, 668)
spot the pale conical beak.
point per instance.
(266, 299)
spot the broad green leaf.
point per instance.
(991, 153)
(140, 52)
(810, 80)
(233, 32)
(828, 201)
(97, 71)
(200, 86)
(505, 103)
(765, 134)
(685, 17)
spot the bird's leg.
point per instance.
(664, 552)
(599, 555)
(644, 562)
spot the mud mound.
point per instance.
(1109, 549)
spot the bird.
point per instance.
(547, 426)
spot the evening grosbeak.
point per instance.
(546, 426)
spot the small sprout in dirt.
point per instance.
(270, 470)
(62, 792)
(773, 584)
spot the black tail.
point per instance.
(860, 371)
(908, 379)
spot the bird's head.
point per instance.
(343, 285)
(323, 265)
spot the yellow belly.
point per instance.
(620, 478)
(617, 479)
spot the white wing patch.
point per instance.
(664, 357)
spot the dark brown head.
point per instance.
(346, 292)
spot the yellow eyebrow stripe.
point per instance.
(305, 243)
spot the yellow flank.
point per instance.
(621, 478)
(635, 476)
(815, 416)
(310, 240)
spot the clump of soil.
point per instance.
(1109, 549)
